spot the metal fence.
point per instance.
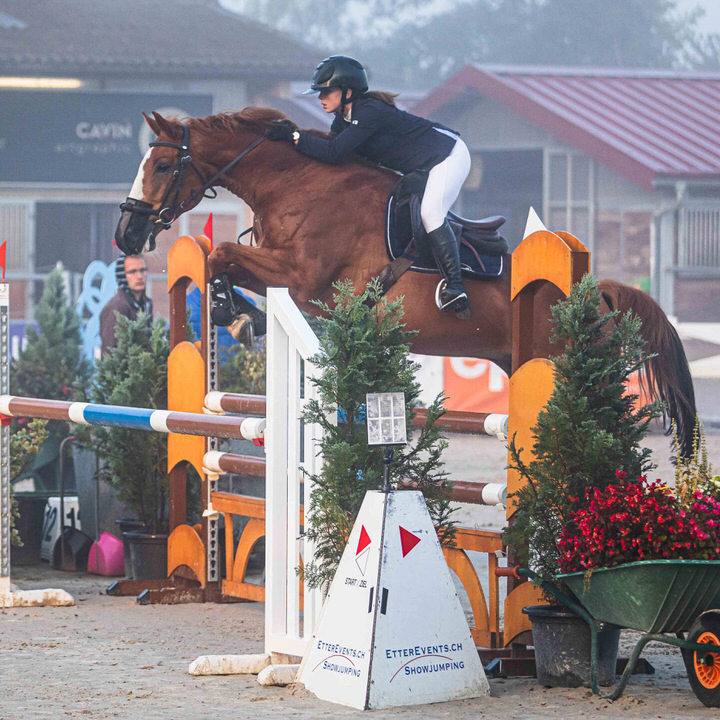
(699, 237)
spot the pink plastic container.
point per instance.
(106, 556)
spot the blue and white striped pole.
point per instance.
(165, 421)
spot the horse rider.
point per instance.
(368, 123)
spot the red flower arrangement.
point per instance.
(631, 521)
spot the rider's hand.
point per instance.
(281, 130)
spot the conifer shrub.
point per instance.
(590, 429)
(134, 373)
(52, 364)
(365, 348)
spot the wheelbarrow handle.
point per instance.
(518, 572)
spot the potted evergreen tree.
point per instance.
(52, 366)
(364, 348)
(590, 429)
(134, 463)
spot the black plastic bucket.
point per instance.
(148, 555)
(29, 526)
(562, 648)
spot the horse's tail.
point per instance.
(667, 375)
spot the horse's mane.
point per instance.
(253, 118)
(257, 119)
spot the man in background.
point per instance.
(129, 300)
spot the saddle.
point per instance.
(482, 248)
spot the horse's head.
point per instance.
(163, 189)
(171, 181)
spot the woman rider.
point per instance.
(369, 124)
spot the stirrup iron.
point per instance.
(460, 303)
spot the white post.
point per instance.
(288, 446)
(4, 442)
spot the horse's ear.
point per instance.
(151, 122)
(170, 127)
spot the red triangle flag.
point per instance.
(207, 230)
(2, 259)
(364, 540)
(407, 540)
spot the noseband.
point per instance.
(170, 209)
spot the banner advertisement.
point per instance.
(473, 385)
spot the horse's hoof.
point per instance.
(241, 329)
(222, 306)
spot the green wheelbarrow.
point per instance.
(670, 601)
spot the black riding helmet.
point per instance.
(339, 71)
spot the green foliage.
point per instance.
(242, 369)
(364, 348)
(52, 364)
(25, 441)
(589, 429)
(694, 474)
(134, 373)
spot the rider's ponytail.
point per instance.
(387, 97)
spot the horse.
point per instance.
(315, 224)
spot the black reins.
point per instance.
(170, 210)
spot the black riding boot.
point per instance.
(227, 307)
(447, 255)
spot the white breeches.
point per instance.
(443, 186)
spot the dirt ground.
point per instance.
(109, 657)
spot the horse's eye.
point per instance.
(163, 167)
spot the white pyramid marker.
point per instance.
(533, 223)
(392, 631)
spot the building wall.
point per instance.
(71, 222)
(609, 214)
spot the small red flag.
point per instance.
(2, 259)
(407, 540)
(207, 230)
(364, 540)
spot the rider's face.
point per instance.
(330, 99)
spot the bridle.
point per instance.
(170, 205)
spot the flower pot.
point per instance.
(562, 648)
(148, 555)
(127, 525)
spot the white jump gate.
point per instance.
(289, 445)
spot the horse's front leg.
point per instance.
(255, 269)
(248, 267)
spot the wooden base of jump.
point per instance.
(170, 591)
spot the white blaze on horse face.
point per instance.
(136, 191)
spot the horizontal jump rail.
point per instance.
(477, 493)
(165, 421)
(453, 420)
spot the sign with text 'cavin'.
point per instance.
(82, 137)
(392, 631)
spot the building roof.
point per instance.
(646, 125)
(158, 38)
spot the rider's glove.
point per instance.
(281, 130)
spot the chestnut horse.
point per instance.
(317, 223)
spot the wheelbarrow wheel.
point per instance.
(703, 669)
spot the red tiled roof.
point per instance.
(644, 124)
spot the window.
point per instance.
(569, 194)
(504, 182)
